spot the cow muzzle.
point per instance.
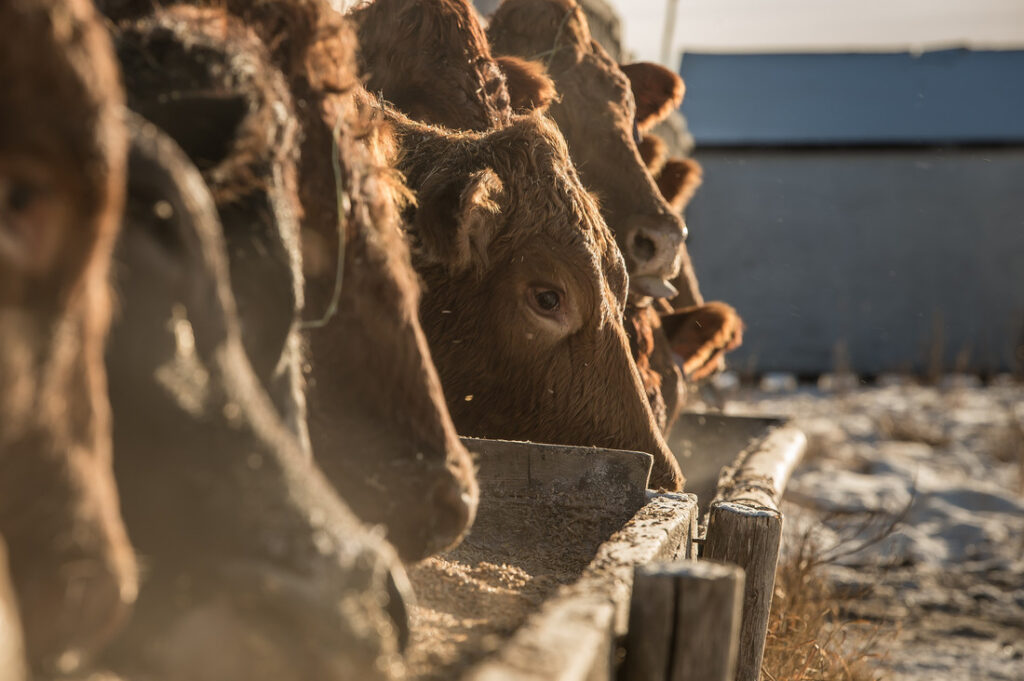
(653, 248)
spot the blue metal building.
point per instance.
(873, 201)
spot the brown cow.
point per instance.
(62, 154)
(492, 390)
(255, 570)
(206, 80)
(601, 110)
(431, 60)
(377, 418)
(700, 334)
(395, 69)
(525, 290)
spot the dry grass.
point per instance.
(807, 640)
(1007, 445)
(908, 428)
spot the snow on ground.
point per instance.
(921, 492)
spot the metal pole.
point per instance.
(669, 34)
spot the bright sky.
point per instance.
(804, 25)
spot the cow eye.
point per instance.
(18, 195)
(636, 132)
(548, 300)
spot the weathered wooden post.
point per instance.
(748, 537)
(684, 622)
(745, 528)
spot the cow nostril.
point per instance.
(452, 509)
(643, 248)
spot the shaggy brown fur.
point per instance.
(596, 113)
(459, 250)
(377, 418)
(255, 569)
(679, 180)
(62, 155)
(431, 60)
(206, 80)
(525, 291)
(654, 153)
(528, 84)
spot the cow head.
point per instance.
(62, 154)
(207, 81)
(431, 60)
(255, 570)
(525, 291)
(378, 422)
(602, 110)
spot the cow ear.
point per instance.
(653, 151)
(678, 181)
(529, 87)
(702, 335)
(657, 92)
(456, 219)
(32, 219)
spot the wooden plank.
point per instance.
(759, 476)
(684, 622)
(705, 444)
(660, 531)
(583, 476)
(750, 538)
(571, 638)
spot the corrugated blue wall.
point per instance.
(943, 97)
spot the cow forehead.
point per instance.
(606, 86)
(553, 208)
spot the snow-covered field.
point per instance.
(917, 494)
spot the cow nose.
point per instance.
(654, 246)
(268, 624)
(454, 510)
